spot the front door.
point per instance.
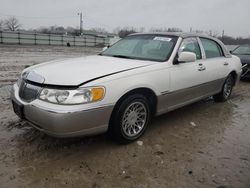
(187, 79)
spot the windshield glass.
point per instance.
(143, 47)
(242, 50)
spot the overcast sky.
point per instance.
(233, 16)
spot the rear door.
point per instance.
(215, 63)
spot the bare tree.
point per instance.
(43, 30)
(141, 29)
(213, 33)
(98, 30)
(72, 31)
(174, 29)
(117, 30)
(12, 24)
(198, 31)
(164, 29)
(124, 32)
(1, 25)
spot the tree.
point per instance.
(213, 33)
(228, 40)
(72, 31)
(116, 30)
(12, 24)
(98, 30)
(44, 30)
(174, 29)
(1, 25)
(124, 32)
(198, 31)
(164, 29)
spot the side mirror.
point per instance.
(186, 57)
(104, 48)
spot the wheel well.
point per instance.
(234, 74)
(148, 93)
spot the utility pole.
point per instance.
(222, 36)
(80, 14)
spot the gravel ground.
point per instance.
(205, 144)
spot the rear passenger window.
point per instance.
(191, 45)
(212, 49)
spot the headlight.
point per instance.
(79, 96)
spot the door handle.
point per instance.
(225, 63)
(201, 68)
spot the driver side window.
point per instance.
(191, 45)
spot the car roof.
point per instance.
(177, 34)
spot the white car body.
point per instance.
(173, 85)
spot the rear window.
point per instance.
(212, 49)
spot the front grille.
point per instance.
(28, 92)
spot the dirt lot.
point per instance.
(206, 144)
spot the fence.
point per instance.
(7, 37)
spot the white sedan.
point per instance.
(120, 89)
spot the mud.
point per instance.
(206, 144)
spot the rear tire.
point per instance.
(129, 119)
(226, 90)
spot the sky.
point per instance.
(232, 16)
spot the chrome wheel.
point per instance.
(228, 87)
(134, 119)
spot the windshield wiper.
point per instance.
(122, 56)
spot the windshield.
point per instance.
(242, 50)
(143, 47)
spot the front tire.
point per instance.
(226, 90)
(130, 119)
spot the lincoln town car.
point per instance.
(119, 90)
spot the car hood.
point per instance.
(74, 72)
(245, 59)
